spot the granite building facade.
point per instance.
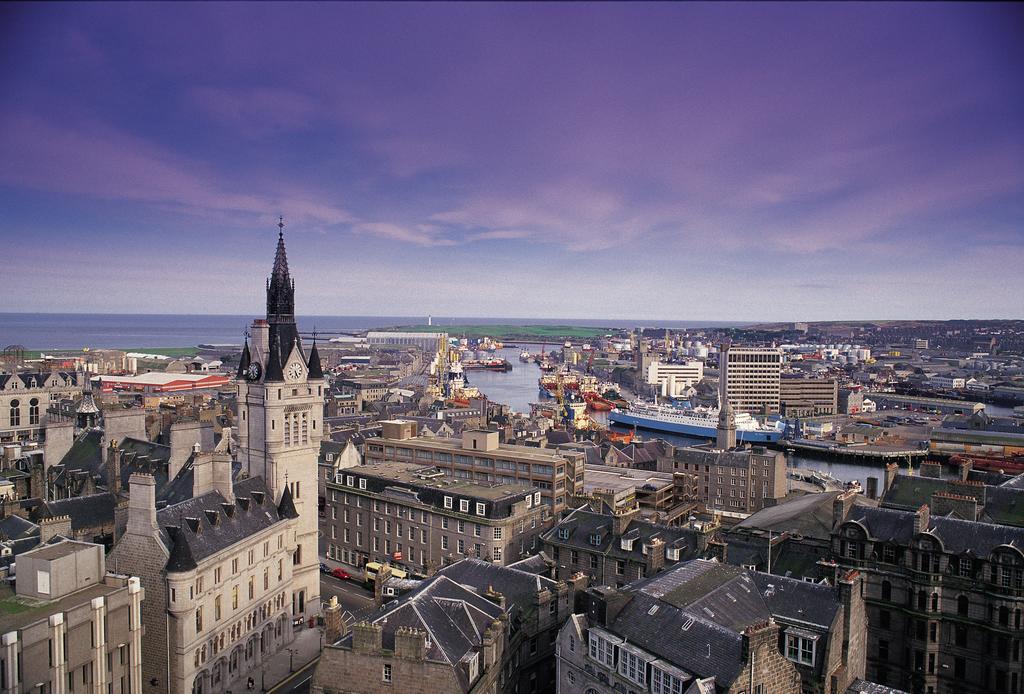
(420, 519)
(480, 457)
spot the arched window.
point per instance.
(33, 411)
(962, 605)
(935, 602)
(886, 590)
(15, 413)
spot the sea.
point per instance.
(42, 331)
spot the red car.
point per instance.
(341, 573)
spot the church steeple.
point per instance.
(280, 287)
(281, 300)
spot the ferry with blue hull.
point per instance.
(700, 422)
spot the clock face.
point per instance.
(253, 372)
(294, 371)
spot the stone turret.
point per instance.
(726, 437)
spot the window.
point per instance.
(199, 619)
(664, 683)
(962, 605)
(602, 650)
(800, 649)
(496, 553)
(481, 509)
(33, 411)
(15, 413)
(362, 483)
(447, 502)
(386, 675)
(632, 667)
(886, 590)
(497, 533)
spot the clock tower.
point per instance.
(280, 422)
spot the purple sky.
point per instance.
(677, 161)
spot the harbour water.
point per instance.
(518, 388)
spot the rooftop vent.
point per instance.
(688, 623)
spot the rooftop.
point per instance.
(426, 476)
(525, 453)
(18, 612)
(620, 478)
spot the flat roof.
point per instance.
(540, 455)
(58, 550)
(18, 612)
(413, 474)
(618, 478)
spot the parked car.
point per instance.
(341, 573)
(324, 569)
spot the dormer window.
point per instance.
(595, 539)
(672, 554)
(563, 533)
(626, 544)
(800, 647)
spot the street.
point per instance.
(351, 595)
(299, 682)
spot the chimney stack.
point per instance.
(142, 504)
(921, 519)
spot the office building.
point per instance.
(479, 457)
(808, 397)
(734, 482)
(420, 519)
(69, 625)
(749, 378)
(674, 380)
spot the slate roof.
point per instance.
(17, 528)
(537, 564)
(454, 617)
(35, 380)
(519, 587)
(694, 613)
(86, 512)
(152, 458)
(957, 536)
(583, 524)
(860, 686)
(1004, 504)
(252, 512)
(329, 446)
(809, 515)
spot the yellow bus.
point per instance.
(371, 569)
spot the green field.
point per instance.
(509, 332)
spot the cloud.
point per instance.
(421, 235)
(98, 161)
(255, 112)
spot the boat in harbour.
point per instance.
(701, 422)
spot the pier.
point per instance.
(864, 453)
